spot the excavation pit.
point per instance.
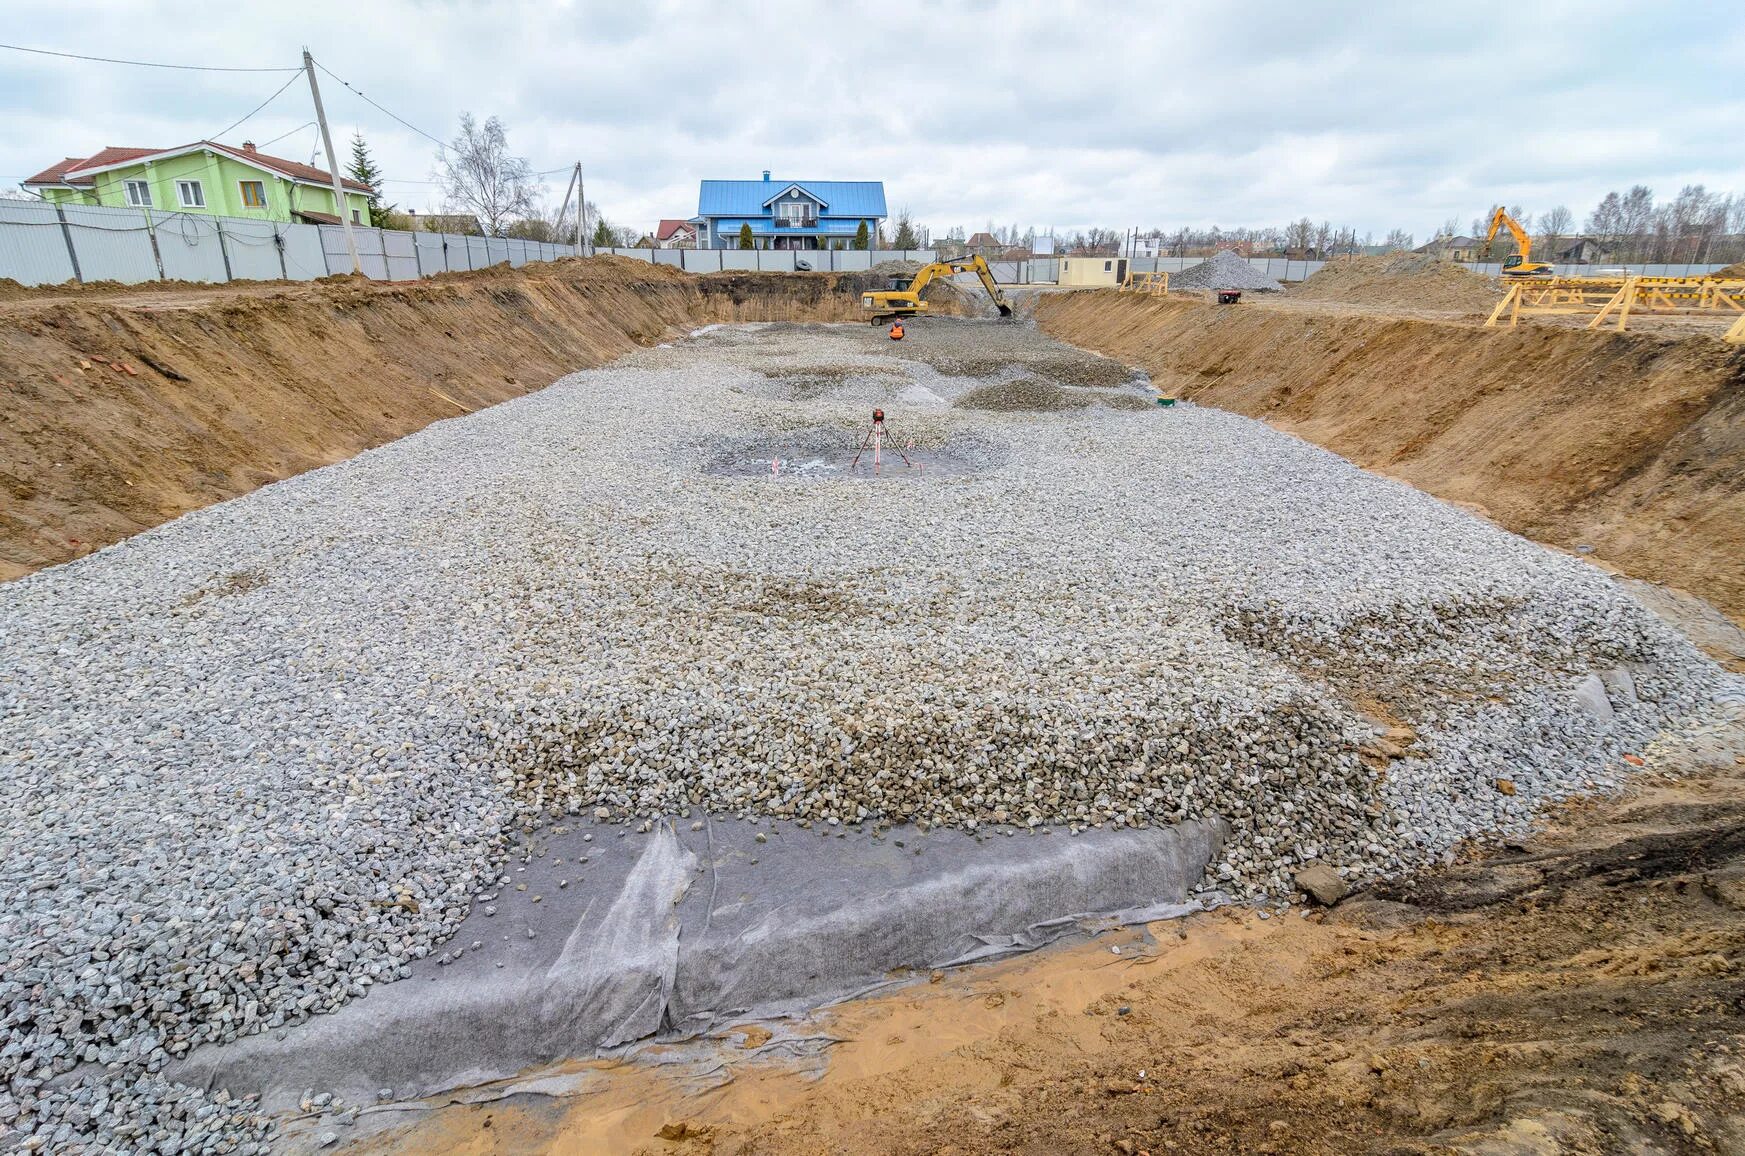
(1116, 623)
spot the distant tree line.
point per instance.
(1695, 227)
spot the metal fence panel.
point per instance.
(253, 249)
(667, 256)
(304, 258)
(112, 244)
(853, 260)
(700, 260)
(33, 248)
(399, 254)
(739, 259)
(779, 260)
(516, 250)
(427, 252)
(496, 251)
(370, 257)
(188, 246)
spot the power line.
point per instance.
(283, 135)
(141, 63)
(288, 83)
(379, 108)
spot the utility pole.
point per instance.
(332, 163)
(565, 207)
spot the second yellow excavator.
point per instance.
(1517, 264)
(888, 303)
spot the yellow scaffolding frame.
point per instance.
(1151, 284)
(1606, 297)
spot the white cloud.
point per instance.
(1047, 114)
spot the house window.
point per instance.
(794, 212)
(355, 219)
(254, 194)
(191, 194)
(1108, 265)
(139, 193)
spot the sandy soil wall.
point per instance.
(1632, 444)
(120, 410)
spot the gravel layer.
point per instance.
(257, 760)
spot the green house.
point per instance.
(204, 177)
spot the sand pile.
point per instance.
(1414, 279)
(1225, 270)
(1733, 272)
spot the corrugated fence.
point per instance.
(44, 244)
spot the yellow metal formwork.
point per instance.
(1151, 284)
(1614, 299)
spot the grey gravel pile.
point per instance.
(1224, 270)
(257, 760)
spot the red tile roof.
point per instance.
(58, 174)
(669, 226)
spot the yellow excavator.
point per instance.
(1517, 264)
(888, 303)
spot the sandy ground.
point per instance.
(1577, 992)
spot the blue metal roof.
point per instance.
(858, 199)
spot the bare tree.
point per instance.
(1399, 241)
(479, 176)
(1554, 224)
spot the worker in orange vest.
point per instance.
(897, 330)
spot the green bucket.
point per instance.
(1166, 401)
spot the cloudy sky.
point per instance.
(1375, 115)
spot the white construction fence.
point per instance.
(45, 244)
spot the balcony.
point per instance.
(796, 222)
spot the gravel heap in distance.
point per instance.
(1224, 270)
(257, 760)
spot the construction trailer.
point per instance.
(1109, 271)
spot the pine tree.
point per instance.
(745, 236)
(364, 170)
(905, 233)
(861, 237)
(602, 234)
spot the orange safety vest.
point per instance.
(896, 331)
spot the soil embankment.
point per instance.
(1632, 445)
(122, 410)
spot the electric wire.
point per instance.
(283, 135)
(141, 63)
(439, 144)
(257, 108)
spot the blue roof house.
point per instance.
(787, 214)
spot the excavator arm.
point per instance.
(980, 265)
(1502, 220)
